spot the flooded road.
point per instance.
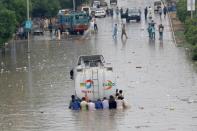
(158, 81)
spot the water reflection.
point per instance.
(124, 41)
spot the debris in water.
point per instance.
(25, 68)
(138, 67)
(142, 108)
(9, 85)
(172, 108)
(190, 100)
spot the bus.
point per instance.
(73, 22)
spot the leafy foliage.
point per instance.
(45, 7)
(7, 24)
(190, 26)
(182, 10)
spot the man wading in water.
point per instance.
(124, 31)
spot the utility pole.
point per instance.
(28, 50)
(74, 4)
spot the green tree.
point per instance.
(7, 24)
(66, 3)
(18, 6)
(182, 10)
(45, 7)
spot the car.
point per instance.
(38, 31)
(113, 2)
(96, 4)
(100, 12)
(133, 14)
(157, 5)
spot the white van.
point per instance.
(96, 4)
(86, 9)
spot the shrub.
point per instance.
(194, 53)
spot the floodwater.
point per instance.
(158, 80)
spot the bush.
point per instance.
(191, 31)
(194, 53)
(182, 10)
(7, 25)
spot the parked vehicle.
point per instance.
(38, 31)
(133, 14)
(96, 4)
(73, 22)
(86, 9)
(100, 12)
(157, 5)
(113, 2)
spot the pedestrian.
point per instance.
(112, 103)
(84, 104)
(153, 32)
(124, 31)
(121, 11)
(165, 11)
(117, 11)
(92, 26)
(161, 29)
(74, 103)
(150, 14)
(121, 93)
(152, 23)
(91, 106)
(21, 32)
(50, 27)
(98, 104)
(59, 33)
(95, 26)
(160, 12)
(145, 13)
(149, 30)
(105, 103)
(115, 31)
(119, 102)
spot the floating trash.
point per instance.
(171, 108)
(138, 67)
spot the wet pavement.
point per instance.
(157, 78)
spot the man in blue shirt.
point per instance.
(98, 104)
(74, 103)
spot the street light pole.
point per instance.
(74, 5)
(28, 50)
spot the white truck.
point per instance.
(94, 78)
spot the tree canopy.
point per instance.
(7, 24)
